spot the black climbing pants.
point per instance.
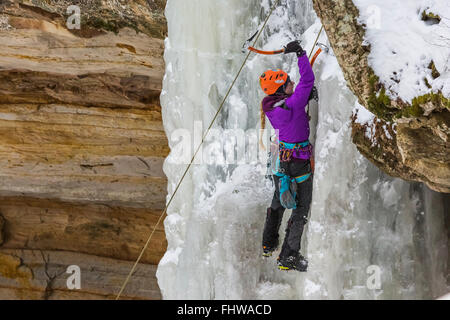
(299, 216)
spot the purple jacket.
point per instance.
(287, 113)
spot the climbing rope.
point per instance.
(193, 158)
(315, 42)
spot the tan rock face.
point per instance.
(81, 147)
(42, 274)
(91, 228)
(420, 148)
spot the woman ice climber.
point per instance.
(285, 109)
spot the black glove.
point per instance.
(294, 46)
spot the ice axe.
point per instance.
(247, 46)
(322, 48)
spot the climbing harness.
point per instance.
(287, 150)
(282, 153)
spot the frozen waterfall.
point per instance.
(369, 236)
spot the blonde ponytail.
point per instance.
(263, 126)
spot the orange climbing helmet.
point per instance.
(272, 80)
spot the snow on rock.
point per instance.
(364, 116)
(370, 122)
(403, 45)
(367, 119)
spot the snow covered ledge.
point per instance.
(395, 59)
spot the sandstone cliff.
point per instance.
(81, 147)
(410, 140)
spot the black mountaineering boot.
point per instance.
(297, 262)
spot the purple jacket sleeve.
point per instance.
(300, 97)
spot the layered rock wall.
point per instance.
(81, 148)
